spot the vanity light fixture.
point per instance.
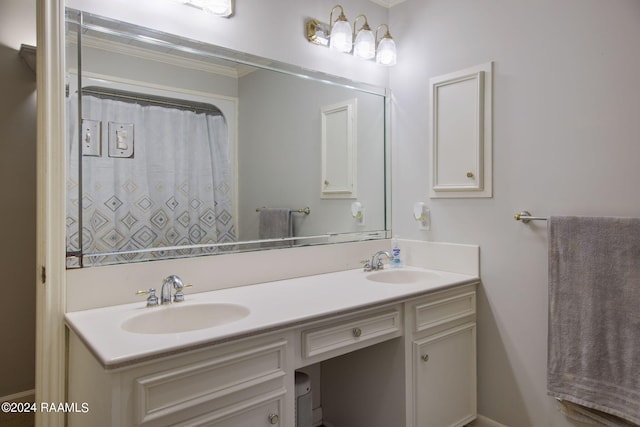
(338, 35)
(222, 8)
(386, 54)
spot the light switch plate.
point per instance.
(121, 140)
(91, 138)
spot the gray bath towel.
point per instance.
(594, 314)
(591, 416)
(275, 223)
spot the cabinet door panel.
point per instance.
(457, 134)
(444, 378)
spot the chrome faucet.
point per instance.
(376, 262)
(169, 282)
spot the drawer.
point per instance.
(216, 383)
(434, 311)
(263, 411)
(351, 333)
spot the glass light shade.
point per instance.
(365, 44)
(386, 52)
(340, 38)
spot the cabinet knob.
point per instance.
(425, 357)
(273, 419)
(469, 174)
(357, 332)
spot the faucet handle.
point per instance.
(366, 265)
(152, 299)
(179, 295)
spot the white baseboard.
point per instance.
(17, 396)
(483, 421)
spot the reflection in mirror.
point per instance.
(179, 148)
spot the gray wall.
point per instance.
(566, 142)
(18, 190)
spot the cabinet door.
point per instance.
(444, 375)
(339, 175)
(461, 133)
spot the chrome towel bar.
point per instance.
(305, 211)
(525, 217)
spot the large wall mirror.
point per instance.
(178, 148)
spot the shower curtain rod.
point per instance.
(146, 99)
(525, 217)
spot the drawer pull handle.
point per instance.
(357, 332)
(469, 174)
(273, 419)
(425, 357)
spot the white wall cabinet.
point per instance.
(425, 345)
(461, 138)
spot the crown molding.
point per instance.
(164, 57)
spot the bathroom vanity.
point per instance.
(395, 347)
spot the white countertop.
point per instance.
(272, 305)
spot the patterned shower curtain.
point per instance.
(176, 189)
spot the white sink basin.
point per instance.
(402, 276)
(184, 318)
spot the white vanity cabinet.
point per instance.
(244, 383)
(440, 357)
(405, 362)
